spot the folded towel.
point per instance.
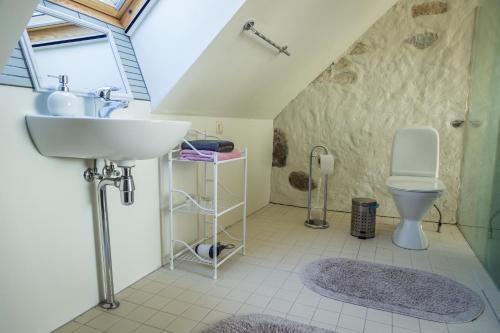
(220, 146)
(208, 155)
(198, 153)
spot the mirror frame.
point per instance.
(34, 68)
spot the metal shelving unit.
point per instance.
(210, 207)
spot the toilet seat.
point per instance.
(415, 184)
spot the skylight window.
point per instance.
(117, 12)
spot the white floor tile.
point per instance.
(238, 295)
(461, 328)
(196, 313)
(208, 301)
(327, 317)
(432, 327)
(301, 320)
(68, 328)
(301, 310)
(409, 323)
(176, 307)
(141, 314)
(379, 316)
(248, 309)
(88, 316)
(354, 310)
(147, 329)
(103, 321)
(330, 305)
(123, 326)
(351, 322)
(266, 280)
(160, 320)
(214, 316)
(279, 305)
(396, 329)
(182, 325)
(156, 302)
(86, 329)
(228, 306)
(258, 300)
(376, 327)
(323, 325)
(188, 296)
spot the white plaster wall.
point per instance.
(356, 106)
(47, 246)
(14, 15)
(239, 75)
(172, 37)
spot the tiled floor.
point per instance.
(266, 280)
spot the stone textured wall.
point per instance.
(410, 68)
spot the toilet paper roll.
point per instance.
(326, 163)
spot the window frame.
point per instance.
(121, 17)
(38, 80)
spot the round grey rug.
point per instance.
(259, 323)
(402, 290)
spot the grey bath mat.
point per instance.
(258, 323)
(402, 290)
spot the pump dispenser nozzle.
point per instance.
(63, 82)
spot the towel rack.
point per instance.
(208, 203)
(249, 26)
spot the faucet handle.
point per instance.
(105, 92)
(110, 170)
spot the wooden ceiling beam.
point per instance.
(131, 12)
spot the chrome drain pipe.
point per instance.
(127, 187)
(108, 289)
(124, 182)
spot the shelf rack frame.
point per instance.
(210, 215)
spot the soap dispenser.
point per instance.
(61, 102)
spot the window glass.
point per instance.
(113, 3)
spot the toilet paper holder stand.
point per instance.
(310, 222)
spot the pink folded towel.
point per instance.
(208, 156)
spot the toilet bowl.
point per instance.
(413, 197)
(414, 183)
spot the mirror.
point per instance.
(55, 43)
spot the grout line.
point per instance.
(348, 212)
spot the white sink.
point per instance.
(119, 140)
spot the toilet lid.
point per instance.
(415, 184)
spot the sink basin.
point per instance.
(119, 140)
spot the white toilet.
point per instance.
(414, 182)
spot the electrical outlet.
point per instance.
(219, 127)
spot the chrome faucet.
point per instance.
(110, 105)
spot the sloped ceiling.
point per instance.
(237, 75)
(172, 36)
(14, 15)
